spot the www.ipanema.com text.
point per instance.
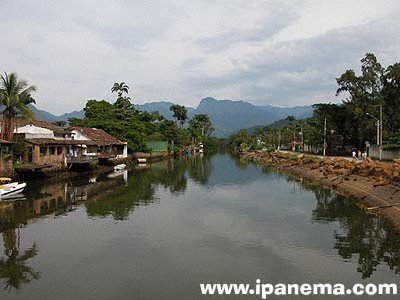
(264, 290)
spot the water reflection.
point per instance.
(112, 194)
(140, 187)
(14, 270)
(46, 198)
(42, 199)
(354, 235)
(367, 237)
(200, 169)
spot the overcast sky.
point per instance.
(279, 52)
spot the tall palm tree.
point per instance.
(15, 95)
(180, 113)
(120, 88)
(13, 267)
(175, 109)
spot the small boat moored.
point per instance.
(10, 188)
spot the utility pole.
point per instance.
(378, 136)
(325, 136)
(379, 129)
(294, 138)
(279, 139)
(302, 139)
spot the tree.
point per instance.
(372, 76)
(120, 88)
(363, 92)
(292, 128)
(98, 112)
(180, 114)
(391, 98)
(60, 123)
(200, 126)
(240, 141)
(169, 130)
(338, 128)
(123, 110)
(124, 103)
(290, 119)
(119, 119)
(76, 122)
(348, 123)
(15, 95)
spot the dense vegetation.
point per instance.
(349, 124)
(124, 121)
(121, 119)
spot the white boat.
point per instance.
(11, 189)
(120, 167)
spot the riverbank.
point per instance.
(71, 171)
(375, 185)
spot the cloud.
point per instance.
(303, 71)
(267, 52)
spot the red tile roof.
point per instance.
(99, 136)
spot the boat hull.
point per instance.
(12, 189)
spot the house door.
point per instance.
(30, 154)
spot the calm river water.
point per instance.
(158, 232)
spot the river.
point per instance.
(159, 231)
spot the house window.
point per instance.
(43, 151)
(52, 150)
(59, 150)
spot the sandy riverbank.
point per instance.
(375, 185)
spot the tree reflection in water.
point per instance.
(362, 234)
(199, 169)
(365, 237)
(140, 189)
(13, 266)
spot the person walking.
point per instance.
(354, 154)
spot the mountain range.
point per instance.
(227, 116)
(43, 115)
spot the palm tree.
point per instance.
(180, 113)
(174, 108)
(13, 267)
(120, 88)
(290, 119)
(15, 95)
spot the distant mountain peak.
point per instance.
(208, 99)
(227, 116)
